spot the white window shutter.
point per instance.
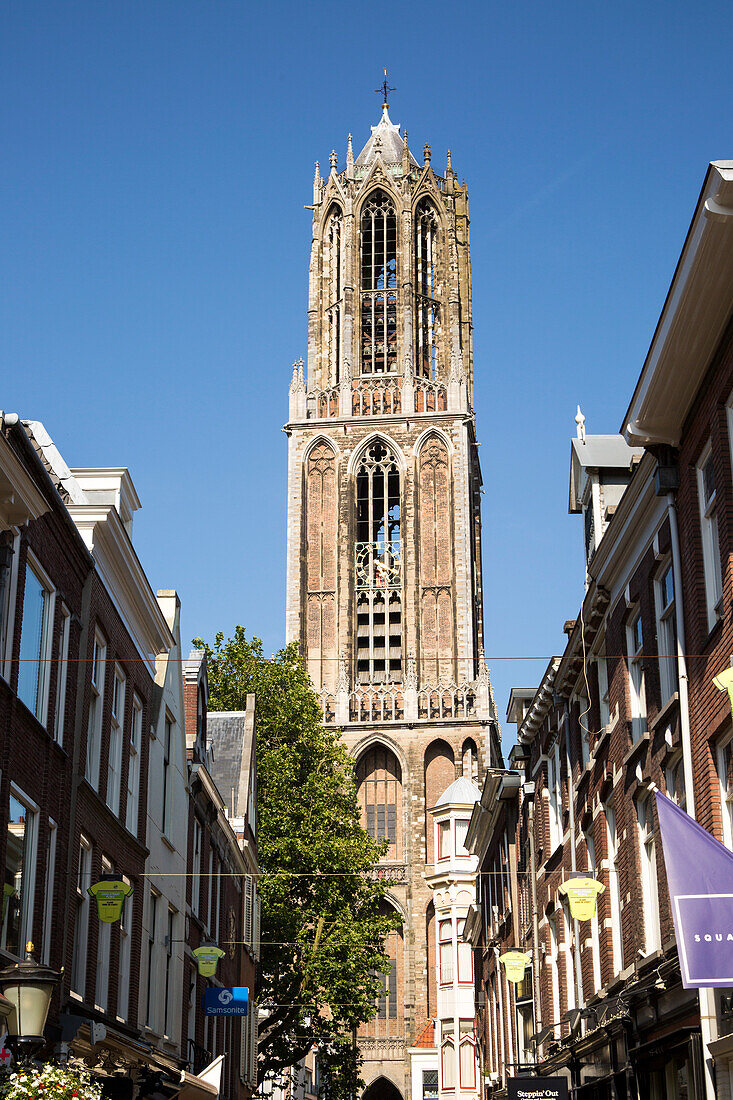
(253, 1046)
(243, 1051)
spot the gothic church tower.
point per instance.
(384, 546)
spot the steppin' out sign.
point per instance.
(537, 1088)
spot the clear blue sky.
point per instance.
(157, 156)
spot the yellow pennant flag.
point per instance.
(515, 964)
(207, 958)
(582, 894)
(110, 896)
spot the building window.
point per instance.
(444, 840)
(725, 777)
(123, 983)
(35, 642)
(448, 1054)
(647, 852)
(708, 498)
(666, 632)
(465, 956)
(570, 991)
(555, 792)
(387, 1003)
(445, 944)
(114, 761)
(427, 308)
(581, 702)
(378, 285)
(150, 1013)
(379, 781)
(48, 887)
(614, 887)
(675, 780)
(461, 832)
(378, 567)
(133, 766)
(430, 1084)
(104, 935)
(525, 1019)
(168, 765)
(196, 869)
(96, 707)
(168, 1022)
(333, 295)
(81, 924)
(637, 686)
(21, 842)
(467, 1051)
(61, 674)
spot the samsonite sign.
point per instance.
(537, 1088)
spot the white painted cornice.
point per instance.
(124, 578)
(698, 307)
(20, 498)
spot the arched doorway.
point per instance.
(381, 1089)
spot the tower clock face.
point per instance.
(232, 931)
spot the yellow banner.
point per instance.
(515, 964)
(110, 896)
(582, 894)
(207, 958)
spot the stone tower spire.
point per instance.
(384, 566)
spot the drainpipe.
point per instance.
(708, 1009)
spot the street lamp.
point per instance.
(28, 987)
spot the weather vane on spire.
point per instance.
(384, 90)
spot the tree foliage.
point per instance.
(324, 919)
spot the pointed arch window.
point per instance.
(379, 789)
(333, 266)
(427, 306)
(378, 567)
(378, 285)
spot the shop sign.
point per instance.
(226, 1001)
(110, 896)
(582, 892)
(537, 1088)
(700, 882)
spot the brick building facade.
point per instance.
(384, 568)
(90, 694)
(628, 708)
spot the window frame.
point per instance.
(104, 946)
(614, 887)
(29, 869)
(649, 882)
(448, 1045)
(81, 921)
(709, 529)
(132, 808)
(124, 961)
(48, 889)
(95, 720)
(466, 1039)
(446, 970)
(46, 640)
(665, 610)
(62, 668)
(725, 782)
(636, 676)
(116, 740)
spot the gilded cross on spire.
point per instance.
(384, 89)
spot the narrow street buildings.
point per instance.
(629, 707)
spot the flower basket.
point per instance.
(50, 1082)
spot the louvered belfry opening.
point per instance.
(379, 781)
(333, 295)
(378, 285)
(378, 568)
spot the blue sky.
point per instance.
(157, 158)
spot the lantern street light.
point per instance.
(28, 987)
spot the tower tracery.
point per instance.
(384, 540)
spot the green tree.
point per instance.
(324, 919)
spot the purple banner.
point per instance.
(700, 880)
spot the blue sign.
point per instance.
(229, 1001)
